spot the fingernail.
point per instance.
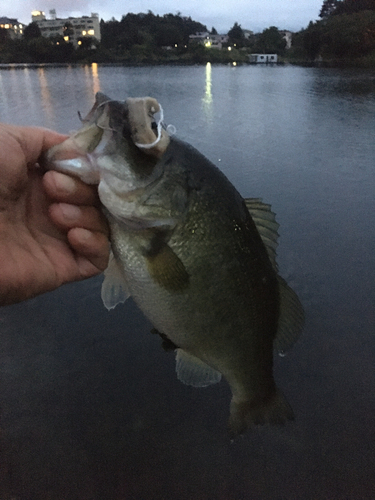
(65, 183)
(84, 234)
(70, 212)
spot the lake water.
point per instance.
(90, 404)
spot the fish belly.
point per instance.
(220, 327)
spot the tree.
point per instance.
(31, 31)
(4, 35)
(312, 40)
(87, 42)
(337, 7)
(348, 36)
(168, 35)
(328, 8)
(354, 6)
(68, 30)
(236, 36)
(213, 31)
(270, 41)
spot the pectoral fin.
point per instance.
(114, 287)
(167, 270)
(192, 371)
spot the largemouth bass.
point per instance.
(198, 259)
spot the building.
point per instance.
(247, 34)
(209, 40)
(288, 37)
(263, 58)
(15, 29)
(73, 29)
(199, 37)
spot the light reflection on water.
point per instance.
(90, 404)
(95, 78)
(207, 99)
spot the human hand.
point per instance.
(51, 228)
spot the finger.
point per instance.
(69, 216)
(34, 140)
(92, 249)
(64, 188)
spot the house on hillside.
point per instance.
(13, 27)
(209, 40)
(247, 34)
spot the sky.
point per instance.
(255, 15)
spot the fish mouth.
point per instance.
(132, 129)
(138, 119)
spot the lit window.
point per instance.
(66, 38)
(84, 33)
(91, 32)
(6, 26)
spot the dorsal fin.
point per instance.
(291, 319)
(266, 224)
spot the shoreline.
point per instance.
(331, 63)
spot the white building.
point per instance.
(288, 37)
(14, 28)
(73, 29)
(263, 58)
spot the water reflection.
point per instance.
(95, 78)
(92, 79)
(3, 100)
(30, 92)
(45, 94)
(207, 99)
(90, 405)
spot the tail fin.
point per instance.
(274, 410)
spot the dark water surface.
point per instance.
(90, 407)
